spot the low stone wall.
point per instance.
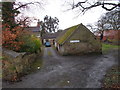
(80, 48)
(16, 64)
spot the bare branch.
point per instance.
(24, 5)
(102, 4)
(114, 6)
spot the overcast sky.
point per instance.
(57, 8)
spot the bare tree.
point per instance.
(113, 19)
(86, 5)
(109, 21)
(51, 24)
(101, 26)
(91, 27)
(10, 10)
(24, 21)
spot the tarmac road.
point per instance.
(67, 71)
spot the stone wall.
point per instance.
(16, 64)
(80, 48)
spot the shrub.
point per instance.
(19, 40)
(31, 44)
(10, 37)
(37, 43)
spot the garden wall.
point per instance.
(16, 64)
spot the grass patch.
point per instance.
(1, 57)
(112, 78)
(49, 53)
(64, 83)
(13, 68)
(0, 75)
(107, 47)
(36, 65)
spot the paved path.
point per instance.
(67, 71)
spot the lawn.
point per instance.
(107, 47)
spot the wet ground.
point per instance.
(68, 71)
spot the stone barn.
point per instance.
(78, 40)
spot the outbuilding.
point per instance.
(51, 37)
(78, 40)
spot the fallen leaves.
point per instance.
(112, 78)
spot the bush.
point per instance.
(19, 40)
(10, 37)
(31, 44)
(37, 43)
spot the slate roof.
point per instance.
(33, 29)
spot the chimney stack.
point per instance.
(38, 23)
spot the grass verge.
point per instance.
(37, 64)
(107, 47)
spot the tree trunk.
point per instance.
(8, 14)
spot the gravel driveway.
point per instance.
(67, 71)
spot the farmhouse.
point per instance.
(78, 40)
(35, 29)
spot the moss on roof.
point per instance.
(68, 32)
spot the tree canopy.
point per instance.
(109, 21)
(50, 24)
